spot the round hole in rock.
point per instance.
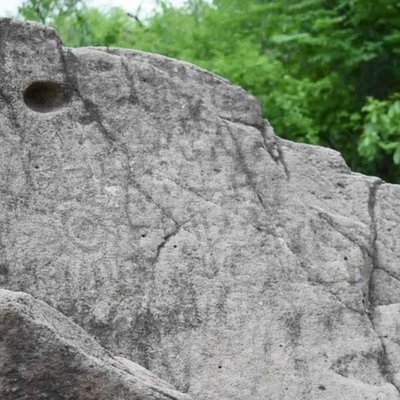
(46, 96)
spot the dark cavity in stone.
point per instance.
(46, 96)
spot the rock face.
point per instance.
(43, 355)
(147, 200)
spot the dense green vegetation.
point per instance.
(326, 71)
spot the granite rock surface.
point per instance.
(147, 200)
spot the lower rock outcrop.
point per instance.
(44, 355)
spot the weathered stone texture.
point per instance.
(155, 207)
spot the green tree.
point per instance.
(381, 138)
(48, 11)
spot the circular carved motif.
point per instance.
(85, 227)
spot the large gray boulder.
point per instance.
(149, 201)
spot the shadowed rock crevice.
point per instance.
(133, 96)
(383, 360)
(372, 199)
(271, 144)
(70, 67)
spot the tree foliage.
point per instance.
(326, 71)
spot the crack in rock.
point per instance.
(372, 199)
